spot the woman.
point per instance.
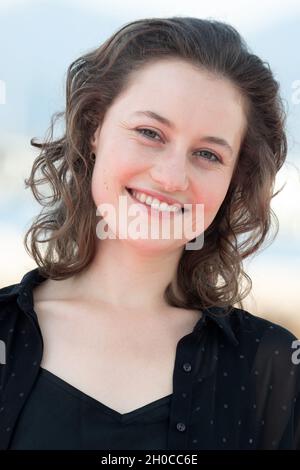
(124, 342)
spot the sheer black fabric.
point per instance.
(236, 385)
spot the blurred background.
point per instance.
(38, 41)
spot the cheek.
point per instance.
(212, 196)
(108, 179)
(100, 184)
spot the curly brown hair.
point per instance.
(208, 277)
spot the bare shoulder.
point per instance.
(51, 289)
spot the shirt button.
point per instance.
(187, 367)
(181, 427)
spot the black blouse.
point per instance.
(236, 385)
(73, 420)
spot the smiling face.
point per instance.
(176, 131)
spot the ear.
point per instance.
(95, 139)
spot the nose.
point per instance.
(171, 175)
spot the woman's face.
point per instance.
(176, 160)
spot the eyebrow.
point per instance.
(207, 138)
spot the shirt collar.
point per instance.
(221, 317)
(24, 287)
(216, 315)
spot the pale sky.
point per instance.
(251, 15)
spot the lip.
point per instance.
(153, 211)
(158, 196)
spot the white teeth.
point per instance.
(148, 198)
(155, 203)
(142, 197)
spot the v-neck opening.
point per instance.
(67, 387)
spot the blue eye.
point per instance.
(215, 160)
(141, 132)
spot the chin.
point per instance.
(152, 244)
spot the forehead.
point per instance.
(193, 99)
